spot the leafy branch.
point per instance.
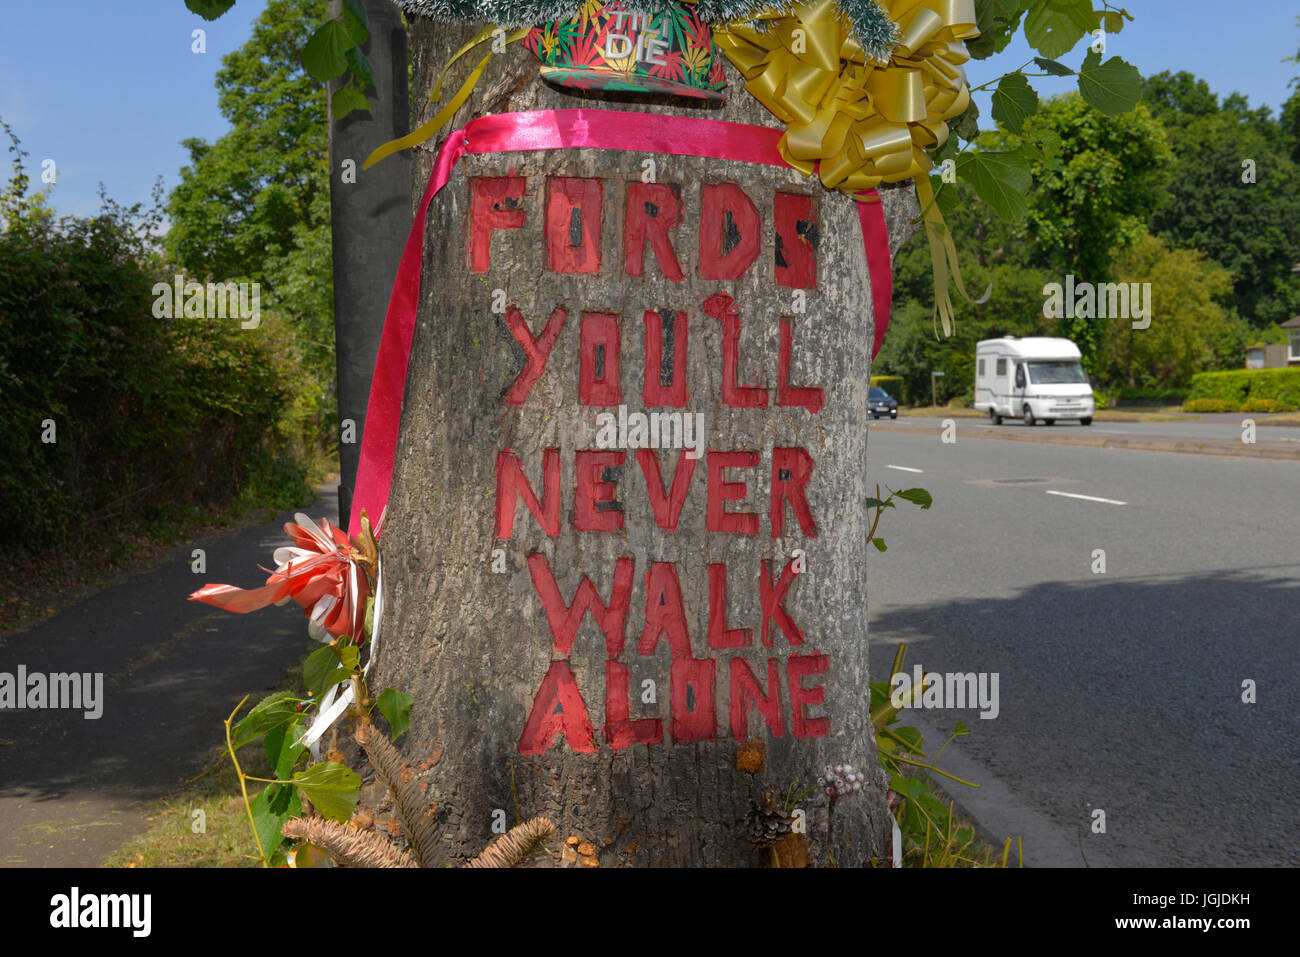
(917, 496)
(333, 50)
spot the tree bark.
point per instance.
(473, 645)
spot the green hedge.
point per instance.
(1245, 390)
(893, 384)
(155, 421)
(1128, 396)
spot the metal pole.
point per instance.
(370, 214)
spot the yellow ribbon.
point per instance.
(447, 112)
(857, 122)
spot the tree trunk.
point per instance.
(369, 221)
(476, 646)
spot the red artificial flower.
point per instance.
(322, 571)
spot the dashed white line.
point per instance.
(904, 468)
(1086, 498)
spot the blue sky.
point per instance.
(109, 88)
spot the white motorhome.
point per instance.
(1035, 379)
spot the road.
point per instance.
(72, 789)
(1119, 691)
(1226, 427)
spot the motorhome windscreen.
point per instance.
(1056, 373)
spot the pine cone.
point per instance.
(766, 825)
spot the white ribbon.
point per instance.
(342, 695)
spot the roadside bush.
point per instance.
(1149, 396)
(119, 422)
(1235, 388)
(1207, 405)
(893, 384)
(1263, 405)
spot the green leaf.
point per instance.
(879, 543)
(967, 125)
(876, 503)
(321, 670)
(998, 21)
(325, 54)
(396, 707)
(331, 788)
(274, 805)
(908, 787)
(278, 710)
(281, 751)
(1113, 21)
(1013, 101)
(209, 9)
(370, 616)
(1112, 87)
(361, 71)
(1000, 180)
(1053, 27)
(345, 100)
(917, 496)
(910, 734)
(1053, 67)
(348, 656)
(960, 730)
(356, 20)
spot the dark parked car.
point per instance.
(880, 402)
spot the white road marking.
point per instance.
(904, 468)
(1086, 498)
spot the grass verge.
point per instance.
(218, 834)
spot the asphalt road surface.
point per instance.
(72, 789)
(1120, 691)
(1226, 426)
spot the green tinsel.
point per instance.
(875, 30)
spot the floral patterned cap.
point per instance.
(615, 46)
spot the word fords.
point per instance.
(951, 690)
(36, 691)
(75, 909)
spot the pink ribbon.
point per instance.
(554, 130)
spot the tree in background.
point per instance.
(119, 420)
(1191, 331)
(1093, 196)
(255, 204)
(1232, 193)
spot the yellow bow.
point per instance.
(854, 121)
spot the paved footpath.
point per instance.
(73, 789)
